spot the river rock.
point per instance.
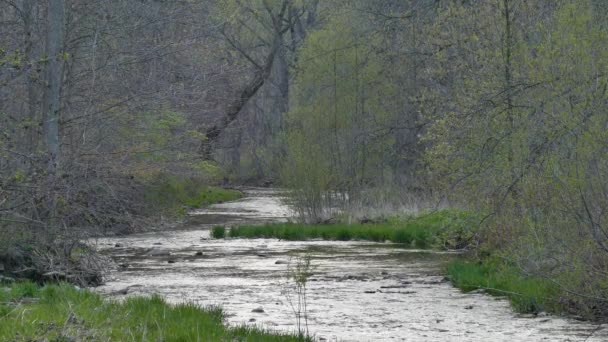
(118, 245)
(198, 254)
(122, 291)
(170, 261)
(280, 262)
(157, 244)
(252, 320)
(258, 310)
(468, 307)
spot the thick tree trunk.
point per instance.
(234, 108)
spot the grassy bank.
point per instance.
(439, 229)
(174, 194)
(63, 313)
(496, 277)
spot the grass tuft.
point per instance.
(442, 229)
(218, 232)
(66, 313)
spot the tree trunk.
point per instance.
(234, 108)
(54, 45)
(32, 75)
(406, 136)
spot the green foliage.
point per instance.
(66, 313)
(527, 294)
(218, 232)
(442, 229)
(524, 135)
(340, 103)
(172, 193)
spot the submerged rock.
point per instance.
(258, 310)
(280, 262)
(198, 254)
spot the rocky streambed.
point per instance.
(359, 291)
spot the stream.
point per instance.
(359, 291)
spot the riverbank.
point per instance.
(495, 277)
(61, 312)
(175, 196)
(162, 201)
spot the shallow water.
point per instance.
(359, 291)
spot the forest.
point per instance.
(120, 117)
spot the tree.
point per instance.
(265, 37)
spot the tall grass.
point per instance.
(526, 294)
(443, 229)
(64, 313)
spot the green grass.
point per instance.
(526, 294)
(172, 193)
(440, 229)
(218, 232)
(64, 313)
